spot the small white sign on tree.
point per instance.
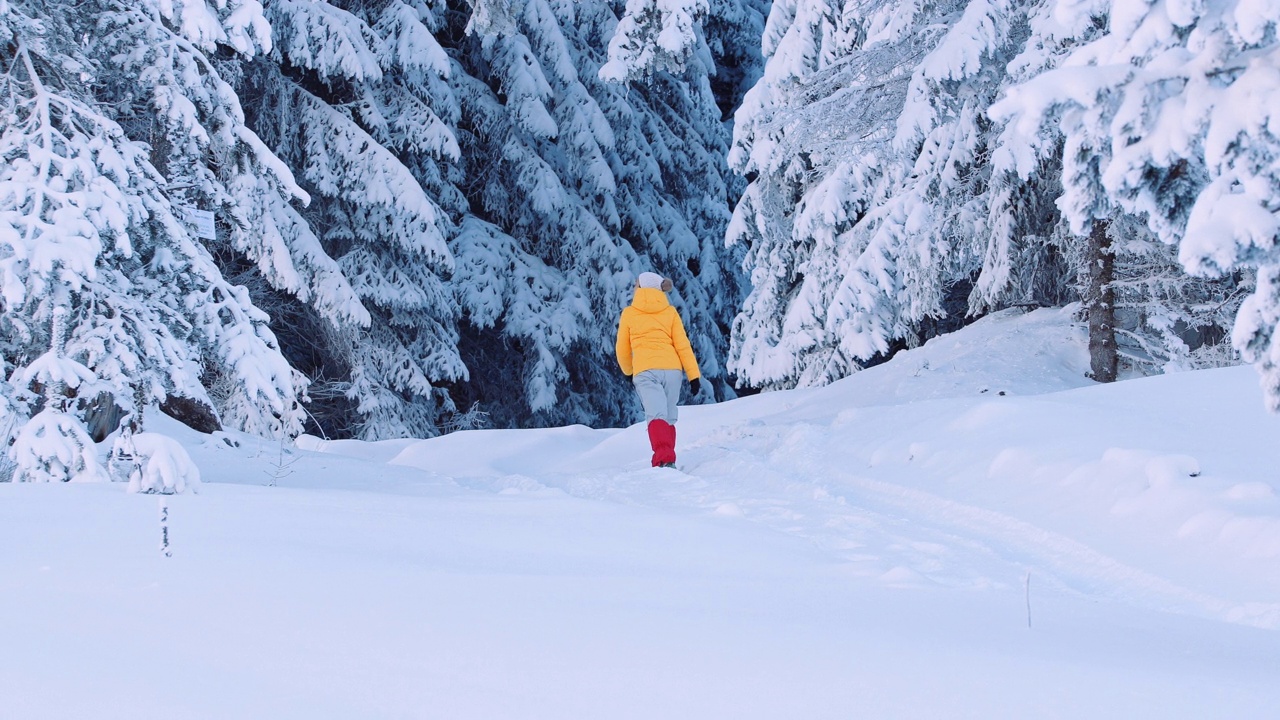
(202, 220)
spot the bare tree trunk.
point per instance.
(1100, 305)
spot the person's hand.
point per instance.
(694, 385)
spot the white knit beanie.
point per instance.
(649, 280)
(653, 280)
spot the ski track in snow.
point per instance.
(901, 536)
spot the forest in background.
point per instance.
(427, 214)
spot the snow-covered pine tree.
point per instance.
(1168, 320)
(355, 98)
(674, 185)
(733, 30)
(866, 145)
(9, 425)
(539, 270)
(53, 445)
(602, 180)
(1143, 103)
(88, 229)
(655, 36)
(165, 83)
(1025, 254)
(865, 236)
(163, 70)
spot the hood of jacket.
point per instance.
(650, 300)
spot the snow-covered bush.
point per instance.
(54, 447)
(159, 464)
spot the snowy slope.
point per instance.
(869, 549)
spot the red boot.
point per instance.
(662, 436)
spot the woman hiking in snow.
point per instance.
(654, 351)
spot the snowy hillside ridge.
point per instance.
(971, 529)
(1138, 491)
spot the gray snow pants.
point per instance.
(659, 391)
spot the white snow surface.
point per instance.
(869, 549)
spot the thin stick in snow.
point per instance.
(164, 527)
(1028, 599)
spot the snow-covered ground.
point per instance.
(973, 530)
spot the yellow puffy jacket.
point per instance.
(651, 337)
